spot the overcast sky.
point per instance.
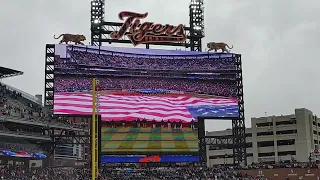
(278, 40)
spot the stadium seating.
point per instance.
(122, 173)
(228, 89)
(146, 62)
(17, 145)
(85, 72)
(145, 172)
(15, 107)
(16, 112)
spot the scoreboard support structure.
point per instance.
(236, 142)
(49, 75)
(238, 125)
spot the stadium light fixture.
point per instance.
(96, 21)
(97, 11)
(197, 28)
(197, 15)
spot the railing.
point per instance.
(5, 129)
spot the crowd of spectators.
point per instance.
(141, 171)
(64, 63)
(98, 72)
(226, 89)
(282, 164)
(116, 173)
(138, 80)
(14, 106)
(15, 173)
(149, 62)
(13, 103)
(176, 173)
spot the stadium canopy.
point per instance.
(7, 72)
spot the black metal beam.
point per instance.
(49, 69)
(236, 141)
(202, 146)
(238, 126)
(71, 139)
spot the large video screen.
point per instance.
(149, 100)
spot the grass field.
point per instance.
(148, 140)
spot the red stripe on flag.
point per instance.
(129, 107)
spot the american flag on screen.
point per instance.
(124, 106)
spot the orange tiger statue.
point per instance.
(216, 46)
(76, 38)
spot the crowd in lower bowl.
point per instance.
(141, 172)
(146, 172)
(122, 173)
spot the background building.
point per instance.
(273, 139)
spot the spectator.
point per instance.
(79, 84)
(146, 62)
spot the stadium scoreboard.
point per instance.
(149, 100)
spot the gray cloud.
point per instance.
(278, 41)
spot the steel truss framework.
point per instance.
(238, 139)
(63, 138)
(49, 75)
(60, 137)
(101, 30)
(238, 124)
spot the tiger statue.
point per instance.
(216, 46)
(76, 38)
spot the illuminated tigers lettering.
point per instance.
(147, 32)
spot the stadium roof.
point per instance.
(7, 72)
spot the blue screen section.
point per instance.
(145, 159)
(214, 111)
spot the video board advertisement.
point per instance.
(149, 100)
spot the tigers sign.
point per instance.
(147, 32)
